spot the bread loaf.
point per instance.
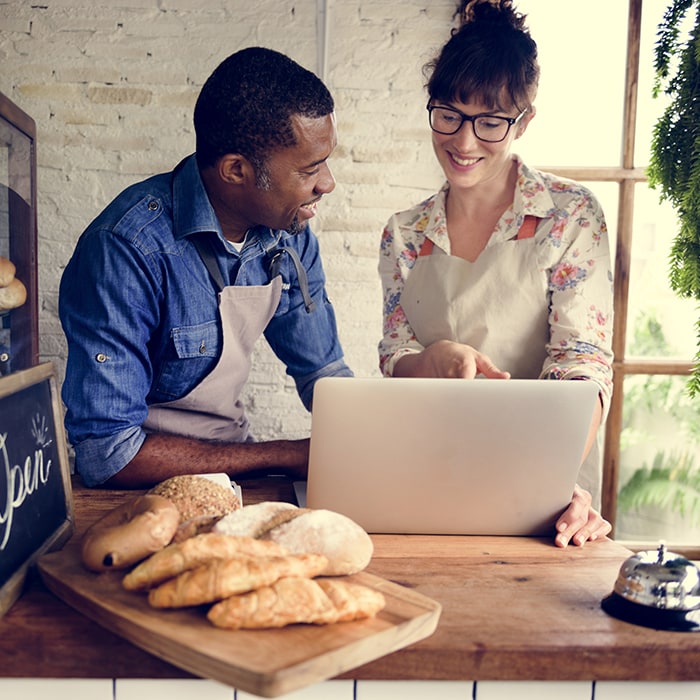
(341, 540)
(201, 502)
(7, 271)
(129, 533)
(13, 295)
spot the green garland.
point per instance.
(675, 151)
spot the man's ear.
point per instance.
(235, 169)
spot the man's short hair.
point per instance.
(246, 105)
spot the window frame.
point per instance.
(627, 175)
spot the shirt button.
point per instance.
(101, 357)
(153, 205)
(202, 348)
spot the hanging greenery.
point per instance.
(675, 149)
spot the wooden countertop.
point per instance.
(513, 609)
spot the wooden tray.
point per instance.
(263, 662)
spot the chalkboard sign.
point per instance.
(36, 505)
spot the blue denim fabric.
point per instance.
(140, 314)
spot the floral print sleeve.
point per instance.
(400, 245)
(576, 254)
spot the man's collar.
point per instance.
(192, 210)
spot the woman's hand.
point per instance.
(580, 521)
(447, 359)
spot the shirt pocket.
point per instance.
(192, 355)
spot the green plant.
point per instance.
(675, 149)
(672, 482)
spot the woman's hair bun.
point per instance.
(489, 11)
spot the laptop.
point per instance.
(447, 456)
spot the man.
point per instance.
(172, 284)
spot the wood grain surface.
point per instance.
(264, 662)
(512, 609)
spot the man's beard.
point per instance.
(296, 226)
(264, 182)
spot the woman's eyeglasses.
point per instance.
(489, 128)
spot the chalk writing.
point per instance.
(23, 479)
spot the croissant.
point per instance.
(221, 578)
(297, 600)
(192, 552)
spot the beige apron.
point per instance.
(497, 304)
(213, 410)
(477, 303)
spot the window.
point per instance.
(594, 124)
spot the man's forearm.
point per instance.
(162, 456)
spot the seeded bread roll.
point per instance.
(341, 540)
(201, 502)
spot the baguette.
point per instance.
(221, 578)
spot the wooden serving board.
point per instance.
(263, 662)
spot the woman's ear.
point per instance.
(235, 169)
(523, 123)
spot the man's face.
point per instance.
(295, 178)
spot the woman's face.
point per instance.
(470, 162)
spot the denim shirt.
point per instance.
(140, 313)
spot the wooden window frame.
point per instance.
(627, 176)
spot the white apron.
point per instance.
(497, 304)
(213, 410)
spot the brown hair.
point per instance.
(490, 58)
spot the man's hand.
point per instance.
(580, 522)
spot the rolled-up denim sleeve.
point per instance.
(98, 459)
(107, 307)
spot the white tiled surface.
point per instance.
(622, 690)
(534, 690)
(196, 689)
(170, 689)
(56, 689)
(329, 690)
(414, 690)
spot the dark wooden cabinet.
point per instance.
(19, 327)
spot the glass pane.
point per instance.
(659, 484)
(654, 309)
(581, 94)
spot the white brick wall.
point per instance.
(112, 83)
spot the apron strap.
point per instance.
(527, 230)
(206, 253)
(276, 261)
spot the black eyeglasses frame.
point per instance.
(466, 118)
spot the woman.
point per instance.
(505, 272)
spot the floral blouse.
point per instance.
(572, 252)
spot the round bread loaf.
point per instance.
(200, 501)
(341, 540)
(7, 271)
(13, 295)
